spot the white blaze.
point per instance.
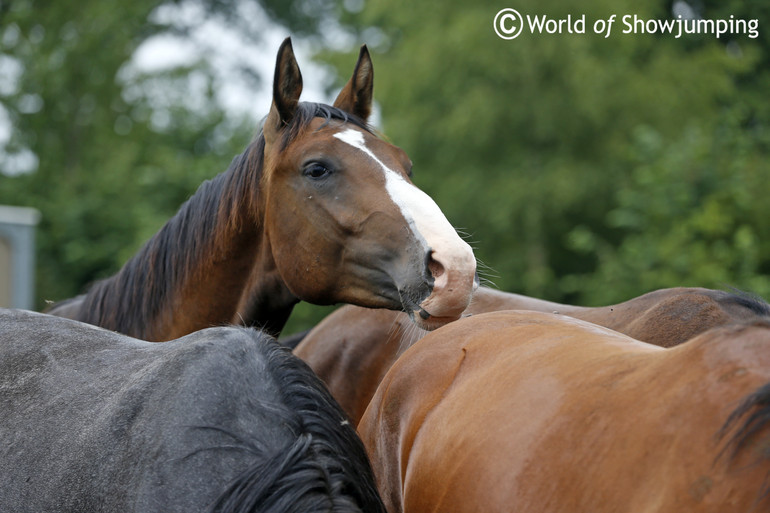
(452, 289)
(420, 211)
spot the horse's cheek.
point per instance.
(307, 265)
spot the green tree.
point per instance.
(583, 168)
(692, 213)
(540, 147)
(111, 166)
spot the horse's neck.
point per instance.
(265, 302)
(205, 267)
(210, 293)
(241, 287)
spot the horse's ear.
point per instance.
(287, 86)
(356, 96)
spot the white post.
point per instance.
(17, 229)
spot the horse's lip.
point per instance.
(424, 320)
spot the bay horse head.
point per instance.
(343, 219)
(317, 208)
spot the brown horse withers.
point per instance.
(353, 347)
(318, 208)
(543, 413)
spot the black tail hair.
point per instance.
(755, 409)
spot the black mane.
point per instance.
(224, 419)
(747, 300)
(131, 300)
(324, 469)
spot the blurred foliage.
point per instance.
(584, 169)
(110, 170)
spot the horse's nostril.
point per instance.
(435, 267)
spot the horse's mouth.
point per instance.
(426, 321)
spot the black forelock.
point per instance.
(307, 111)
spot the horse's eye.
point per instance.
(316, 170)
